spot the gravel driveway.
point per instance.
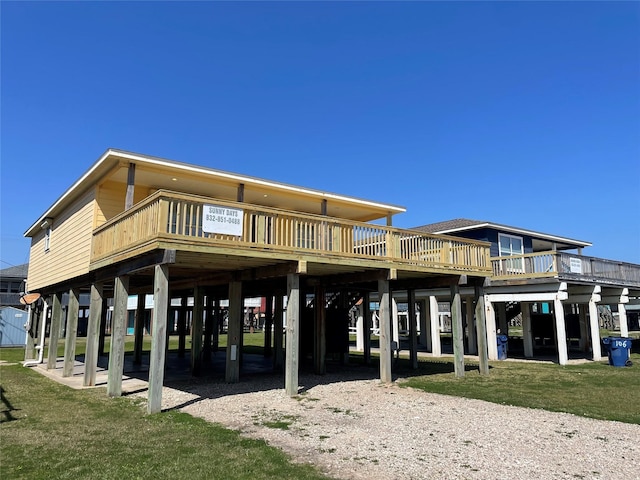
(356, 428)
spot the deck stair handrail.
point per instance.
(178, 217)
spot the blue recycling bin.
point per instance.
(502, 346)
(618, 350)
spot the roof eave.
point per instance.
(545, 236)
(117, 155)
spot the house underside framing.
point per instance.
(314, 289)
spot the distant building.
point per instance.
(544, 283)
(12, 284)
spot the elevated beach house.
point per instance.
(543, 284)
(137, 224)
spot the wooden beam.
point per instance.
(71, 332)
(302, 267)
(583, 341)
(527, 297)
(424, 285)
(594, 327)
(392, 274)
(436, 344)
(218, 325)
(278, 357)
(131, 180)
(360, 329)
(268, 325)
(196, 330)
(348, 278)
(54, 330)
(182, 327)
(457, 331)
(366, 325)
(240, 193)
(425, 334)
(492, 334)
(481, 330)
(320, 321)
(561, 332)
(384, 296)
(472, 343)
(234, 332)
(138, 329)
(209, 325)
(527, 332)
(413, 328)
(118, 333)
(102, 331)
(293, 335)
(622, 318)
(395, 324)
(93, 334)
(32, 332)
(269, 273)
(158, 337)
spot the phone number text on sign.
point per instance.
(219, 219)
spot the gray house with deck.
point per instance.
(545, 280)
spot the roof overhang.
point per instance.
(562, 243)
(160, 173)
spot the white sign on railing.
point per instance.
(219, 219)
(575, 265)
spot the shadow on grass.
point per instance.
(257, 374)
(7, 408)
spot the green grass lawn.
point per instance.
(251, 341)
(50, 431)
(593, 389)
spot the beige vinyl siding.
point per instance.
(110, 200)
(70, 246)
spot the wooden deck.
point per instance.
(566, 266)
(169, 220)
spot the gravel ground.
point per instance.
(362, 429)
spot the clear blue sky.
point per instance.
(522, 113)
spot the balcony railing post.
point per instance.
(163, 215)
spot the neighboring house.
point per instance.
(549, 284)
(13, 314)
(12, 285)
(136, 224)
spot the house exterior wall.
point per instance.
(110, 198)
(491, 235)
(70, 245)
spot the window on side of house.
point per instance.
(47, 239)
(511, 245)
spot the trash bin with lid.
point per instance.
(618, 349)
(502, 347)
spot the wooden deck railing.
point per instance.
(176, 216)
(566, 266)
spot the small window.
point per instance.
(511, 245)
(47, 239)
